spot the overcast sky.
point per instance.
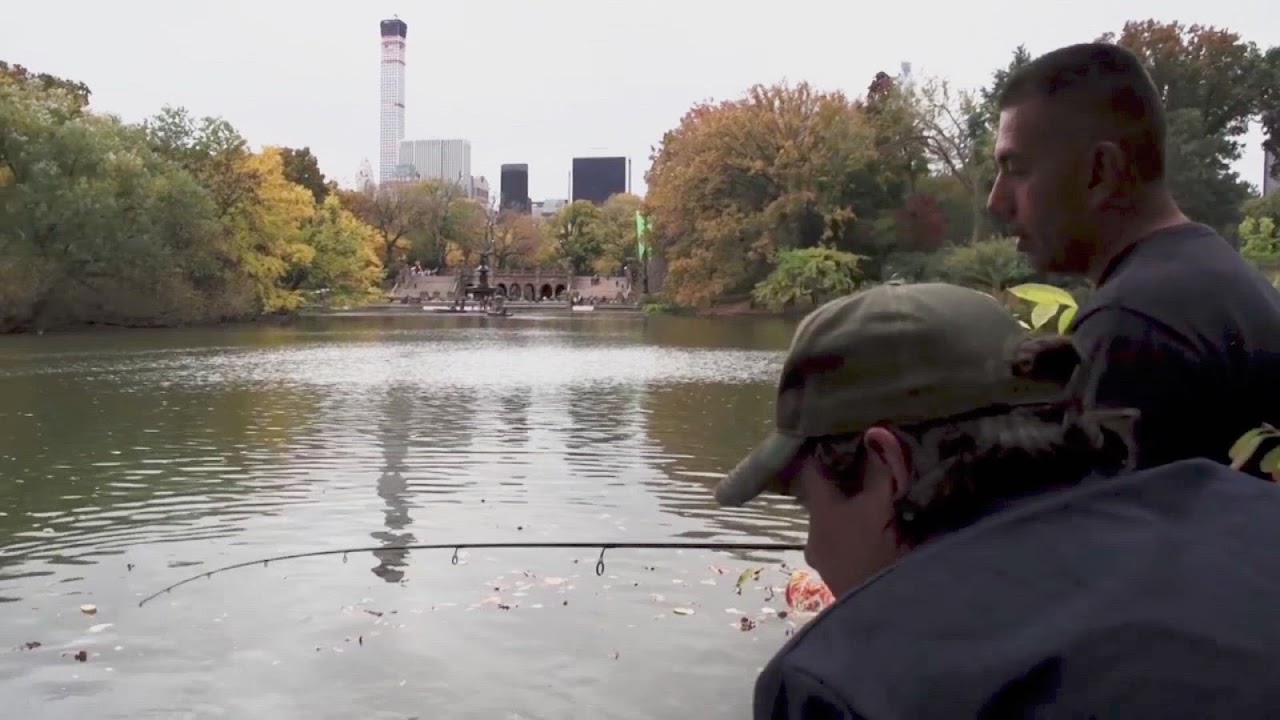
(537, 82)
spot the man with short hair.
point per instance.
(1180, 326)
(989, 555)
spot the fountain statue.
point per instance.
(482, 291)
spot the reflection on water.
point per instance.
(393, 488)
(129, 460)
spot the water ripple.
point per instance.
(128, 462)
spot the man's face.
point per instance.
(851, 537)
(1040, 192)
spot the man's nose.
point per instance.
(998, 204)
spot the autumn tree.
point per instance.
(268, 233)
(393, 211)
(950, 125)
(45, 82)
(739, 181)
(517, 242)
(920, 224)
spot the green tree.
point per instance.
(209, 148)
(577, 236)
(1268, 97)
(93, 223)
(619, 247)
(808, 277)
(989, 265)
(301, 167)
(1260, 245)
(1209, 79)
(1264, 206)
(44, 82)
(1199, 172)
(344, 262)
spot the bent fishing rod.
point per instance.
(457, 547)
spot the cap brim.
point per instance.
(759, 471)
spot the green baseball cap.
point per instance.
(893, 354)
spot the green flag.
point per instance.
(642, 227)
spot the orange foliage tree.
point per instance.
(740, 180)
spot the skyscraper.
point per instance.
(513, 187)
(394, 33)
(444, 160)
(597, 178)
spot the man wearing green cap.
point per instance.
(991, 553)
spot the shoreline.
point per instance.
(736, 310)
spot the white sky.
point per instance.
(537, 82)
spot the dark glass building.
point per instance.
(597, 178)
(513, 188)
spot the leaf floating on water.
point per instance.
(82, 656)
(32, 645)
(747, 575)
(682, 611)
(746, 624)
(89, 609)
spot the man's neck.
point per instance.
(1130, 229)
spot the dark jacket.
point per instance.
(1155, 595)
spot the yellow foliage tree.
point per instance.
(268, 230)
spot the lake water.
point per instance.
(130, 460)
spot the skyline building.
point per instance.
(394, 34)
(480, 190)
(447, 160)
(364, 175)
(596, 179)
(514, 187)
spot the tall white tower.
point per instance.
(394, 32)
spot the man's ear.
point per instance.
(1111, 181)
(886, 450)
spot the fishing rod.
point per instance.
(457, 547)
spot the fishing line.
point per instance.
(457, 547)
